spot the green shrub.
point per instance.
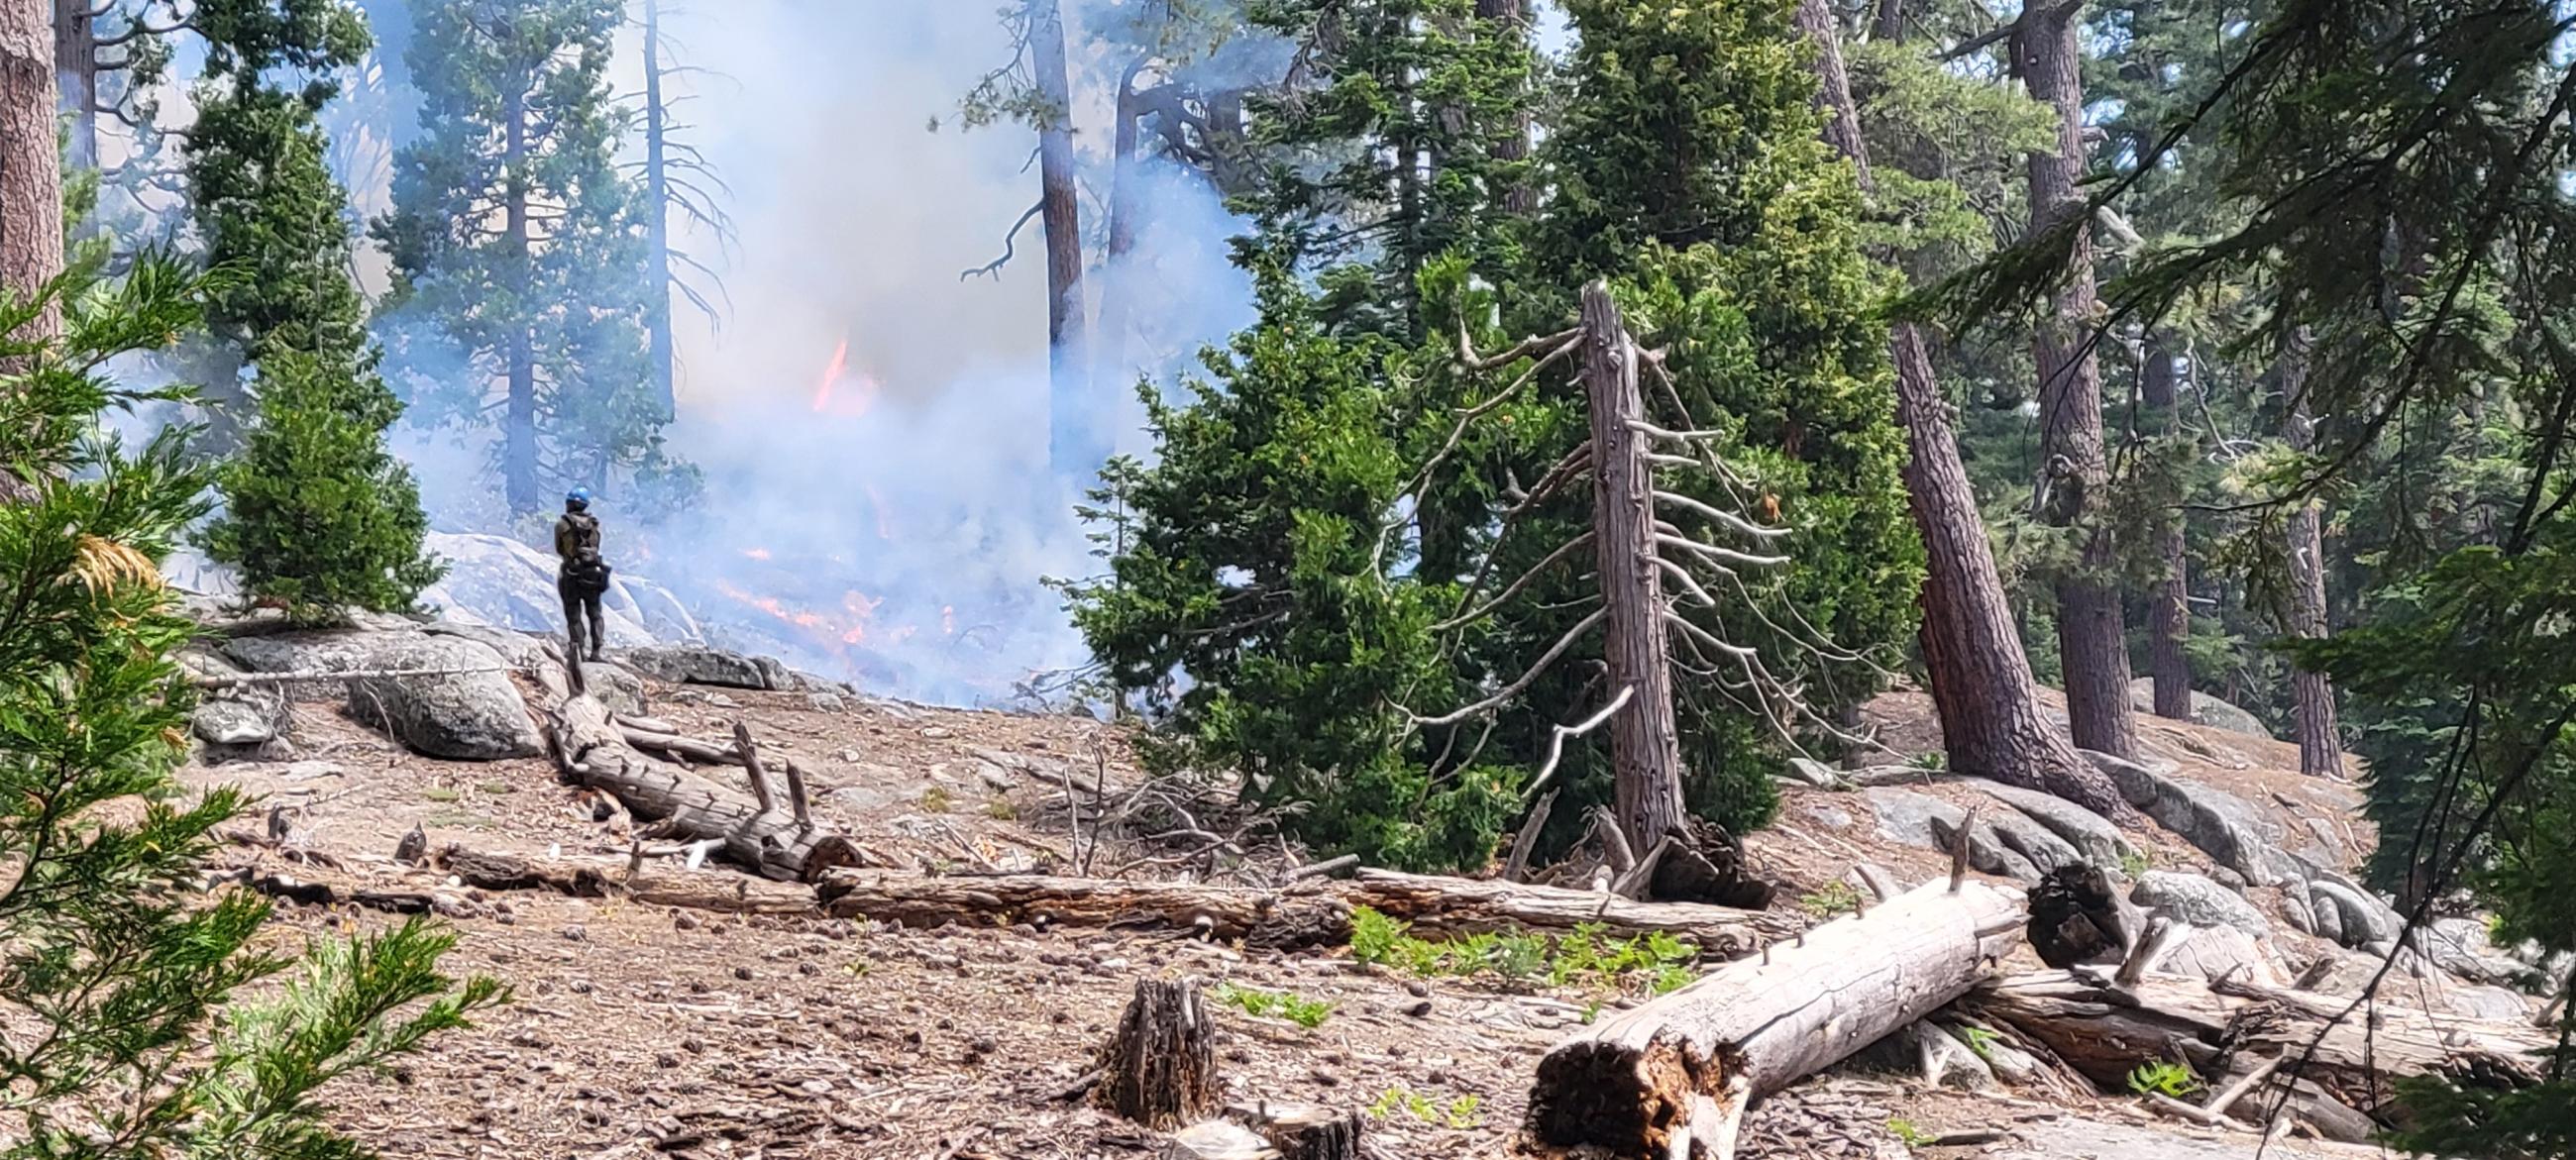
(1288, 1005)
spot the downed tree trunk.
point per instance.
(592, 751)
(1159, 1067)
(2106, 1033)
(1672, 1078)
(727, 893)
(1310, 913)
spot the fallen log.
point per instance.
(2106, 1032)
(1308, 913)
(701, 752)
(725, 893)
(593, 752)
(1672, 1078)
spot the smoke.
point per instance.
(892, 524)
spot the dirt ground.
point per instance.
(644, 1031)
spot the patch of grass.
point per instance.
(1837, 897)
(1981, 1041)
(1288, 1005)
(2164, 1079)
(936, 800)
(457, 820)
(1000, 809)
(1458, 1114)
(1908, 1134)
(497, 788)
(1934, 761)
(2134, 862)
(440, 794)
(1588, 955)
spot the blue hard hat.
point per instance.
(577, 495)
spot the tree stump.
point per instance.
(1159, 1068)
(1310, 1133)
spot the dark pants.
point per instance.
(580, 602)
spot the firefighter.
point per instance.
(583, 576)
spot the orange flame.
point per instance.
(831, 374)
(756, 553)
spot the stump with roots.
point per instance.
(1159, 1068)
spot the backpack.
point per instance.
(588, 574)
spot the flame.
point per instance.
(948, 620)
(834, 373)
(756, 553)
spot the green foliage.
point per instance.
(517, 123)
(1908, 1134)
(1834, 898)
(2164, 1079)
(318, 516)
(1460, 1113)
(1288, 1005)
(1587, 957)
(105, 929)
(1980, 1041)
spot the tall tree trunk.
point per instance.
(2092, 644)
(76, 69)
(1981, 683)
(1109, 366)
(657, 220)
(519, 425)
(2312, 693)
(2169, 617)
(1889, 24)
(1645, 745)
(31, 174)
(1511, 18)
(1074, 446)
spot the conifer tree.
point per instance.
(318, 515)
(110, 937)
(519, 245)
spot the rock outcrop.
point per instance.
(476, 714)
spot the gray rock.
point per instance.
(2296, 912)
(1905, 816)
(2205, 709)
(2364, 919)
(2488, 1002)
(516, 648)
(2218, 951)
(1986, 852)
(323, 651)
(826, 702)
(465, 716)
(2198, 901)
(615, 686)
(1829, 817)
(2026, 837)
(2461, 946)
(499, 581)
(2227, 828)
(690, 664)
(2100, 842)
(2327, 918)
(221, 722)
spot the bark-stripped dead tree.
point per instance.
(1645, 560)
(772, 838)
(1982, 686)
(677, 179)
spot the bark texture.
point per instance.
(1645, 744)
(31, 172)
(657, 215)
(1671, 1078)
(2092, 644)
(1311, 913)
(519, 422)
(2169, 610)
(2312, 693)
(1074, 447)
(76, 71)
(2356, 1058)
(1109, 339)
(1159, 1067)
(762, 835)
(1511, 18)
(1982, 687)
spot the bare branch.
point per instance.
(1730, 519)
(1709, 638)
(1688, 582)
(1516, 688)
(1717, 555)
(1515, 586)
(1010, 245)
(1558, 733)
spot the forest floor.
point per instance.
(642, 1031)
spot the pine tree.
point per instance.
(108, 932)
(519, 246)
(318, 516)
